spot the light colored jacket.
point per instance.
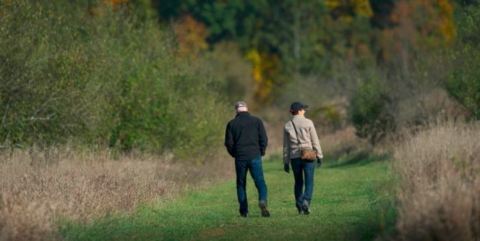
(307, 137)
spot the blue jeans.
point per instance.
(303, 173)
(256, 170)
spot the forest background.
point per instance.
(117, 74)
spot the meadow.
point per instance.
(352, 201)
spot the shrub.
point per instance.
(464, 82)
(464, 85)
(371, 110)
(92, 74)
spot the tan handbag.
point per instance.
(307, 154)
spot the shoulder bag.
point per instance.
(307, 154)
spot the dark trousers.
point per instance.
(256, 171)
(303, 173)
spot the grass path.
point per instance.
(352, 201)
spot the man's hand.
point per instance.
(319, 162)
(286, 168)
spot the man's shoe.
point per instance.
(264, 210)
(299, 209)
(244, 215)
(306, 208)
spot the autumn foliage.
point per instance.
(191, 36)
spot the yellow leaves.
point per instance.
(254, 57)
(257, 68)
(447, 27)
(344, 8)
(191, 36)
(332, 4)
(439, 18)
(264, 69)
(363, 8)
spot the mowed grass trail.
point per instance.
(352, 201)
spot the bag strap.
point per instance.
(296, 133)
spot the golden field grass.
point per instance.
(40, 188)
(439, 183)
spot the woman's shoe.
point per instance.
(305, 208)
(263, 209)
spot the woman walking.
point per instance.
(301, 149)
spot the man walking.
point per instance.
(301, 148)
(246, 141)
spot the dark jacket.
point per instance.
(245, 137)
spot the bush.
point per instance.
(464, 82)
(92, 74)
(371, 111)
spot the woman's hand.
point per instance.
(319, 162)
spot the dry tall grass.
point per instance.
(342, 143)
(38, 188)
(439, 195)
(334, 143)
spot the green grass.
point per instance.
(353, 201)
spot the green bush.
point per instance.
(99, 76)
(464, 84)
(371, 111)
(464, 81)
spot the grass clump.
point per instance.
(439, 189)
(39, 188)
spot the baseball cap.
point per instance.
(296, 106)
(240, 104)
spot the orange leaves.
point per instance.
(420, 24)
(434, 18)
(116, 2)
(191, 36)
(447, 27)
(102, 7)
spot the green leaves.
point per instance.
(101, 78)
(464, 81)
(371, 111)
